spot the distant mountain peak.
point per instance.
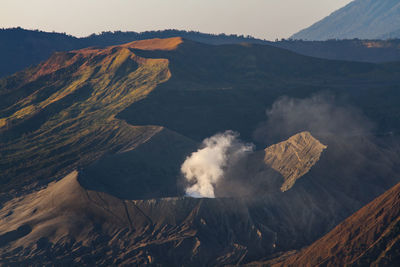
(363, 19)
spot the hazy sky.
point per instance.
(267, 19)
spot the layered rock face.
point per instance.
(294, 157)
(112, 126)
(69, 222)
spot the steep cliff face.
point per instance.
(68, 224)
(370, 237)
(108, 113)
(294, 157)
(84, 219)
(78, 106)
(98, 216)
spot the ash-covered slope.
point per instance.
(70, 110)
(391, 35)
(294, 157)
(72, 222)
(67, 224)
(238, 82)
(151, 170)
(370, 237)
(363, 19)
(61, 113)
(126, 117)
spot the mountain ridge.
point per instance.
(22, 48)
(124, 119)
(369, 237)
(374, 19)
(73, 88)
(68, 223)
(61, 91)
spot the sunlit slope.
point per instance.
(370, 237)
(294, 157)
(66, 223)
(97, 216)
(20, 48)
(230, 87)
(61, 114)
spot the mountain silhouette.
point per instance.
(20, 48)
(363, 19)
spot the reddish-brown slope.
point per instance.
(156, 44)
(370, 237)
(62, 60)
(67, 106)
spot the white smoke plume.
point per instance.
(206, 167)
